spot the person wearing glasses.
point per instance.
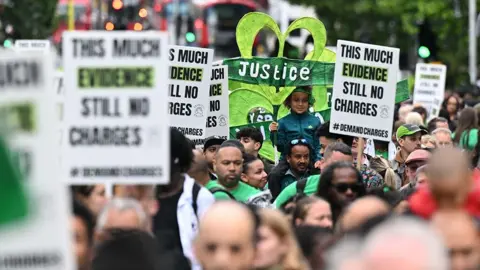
(298, 157)
(300, 123)
(341, 184)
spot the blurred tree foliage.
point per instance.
(395, 23)
(30, 19)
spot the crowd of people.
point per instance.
(325, 205)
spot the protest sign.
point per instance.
(42, 239)
(188, 90)
(363, 99)
(32, 45)
(116, 127)
(430, 87)
(217, 118)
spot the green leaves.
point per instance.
(394, 23)
(31, 19)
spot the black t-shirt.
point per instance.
(165, 224)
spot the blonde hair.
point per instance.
(414, 118)
(428, 139)
(403, 111)
(278, 223)
(380, 164)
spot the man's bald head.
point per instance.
(449, 175)
(460, 235)
(226, 237)
(449, 158)
(362, 210)
(227, 213)
(404, 243)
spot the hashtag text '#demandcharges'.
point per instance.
(361, 130)
(122, 171)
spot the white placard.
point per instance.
(363, 98)
(369, 148)
(43, 240)
(116, 126)
(430, 87)
(188, 90)
(218, 112)
(32, 45)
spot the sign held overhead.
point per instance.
(364, 88)
(116, 126)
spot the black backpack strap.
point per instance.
(218, 189)
(301, 185)
(195, 190)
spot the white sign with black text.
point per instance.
(188, 90)
(430, 87)
(217, 117)
(42, 240)
(32, 45)
(363, 99)
(116, 125)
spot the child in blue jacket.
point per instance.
(298, 124)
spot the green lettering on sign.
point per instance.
(113, 78)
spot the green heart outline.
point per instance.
(251, 24)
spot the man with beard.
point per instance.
(210, 147)
(341, 184)
(228, 163)
(298, 159)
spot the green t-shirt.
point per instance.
(241, 193)
(468, 140)
(291, 190)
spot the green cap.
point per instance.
(407, 130)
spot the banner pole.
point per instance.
(71, 15)
(360, 144)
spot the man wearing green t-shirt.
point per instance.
(228, 164)
(335, 152)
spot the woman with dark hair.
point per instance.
(466, 134)
(253, 172)
(92, 196)
(340, 185)
(450, 109)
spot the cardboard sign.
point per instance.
(430, 87)
(43, 239)
(188, 90)
(363, 99)
(32, 45)
(116, 127)
(217, 118)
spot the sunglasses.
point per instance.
(343, 187)
(297, 141)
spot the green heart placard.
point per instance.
(257, 82)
